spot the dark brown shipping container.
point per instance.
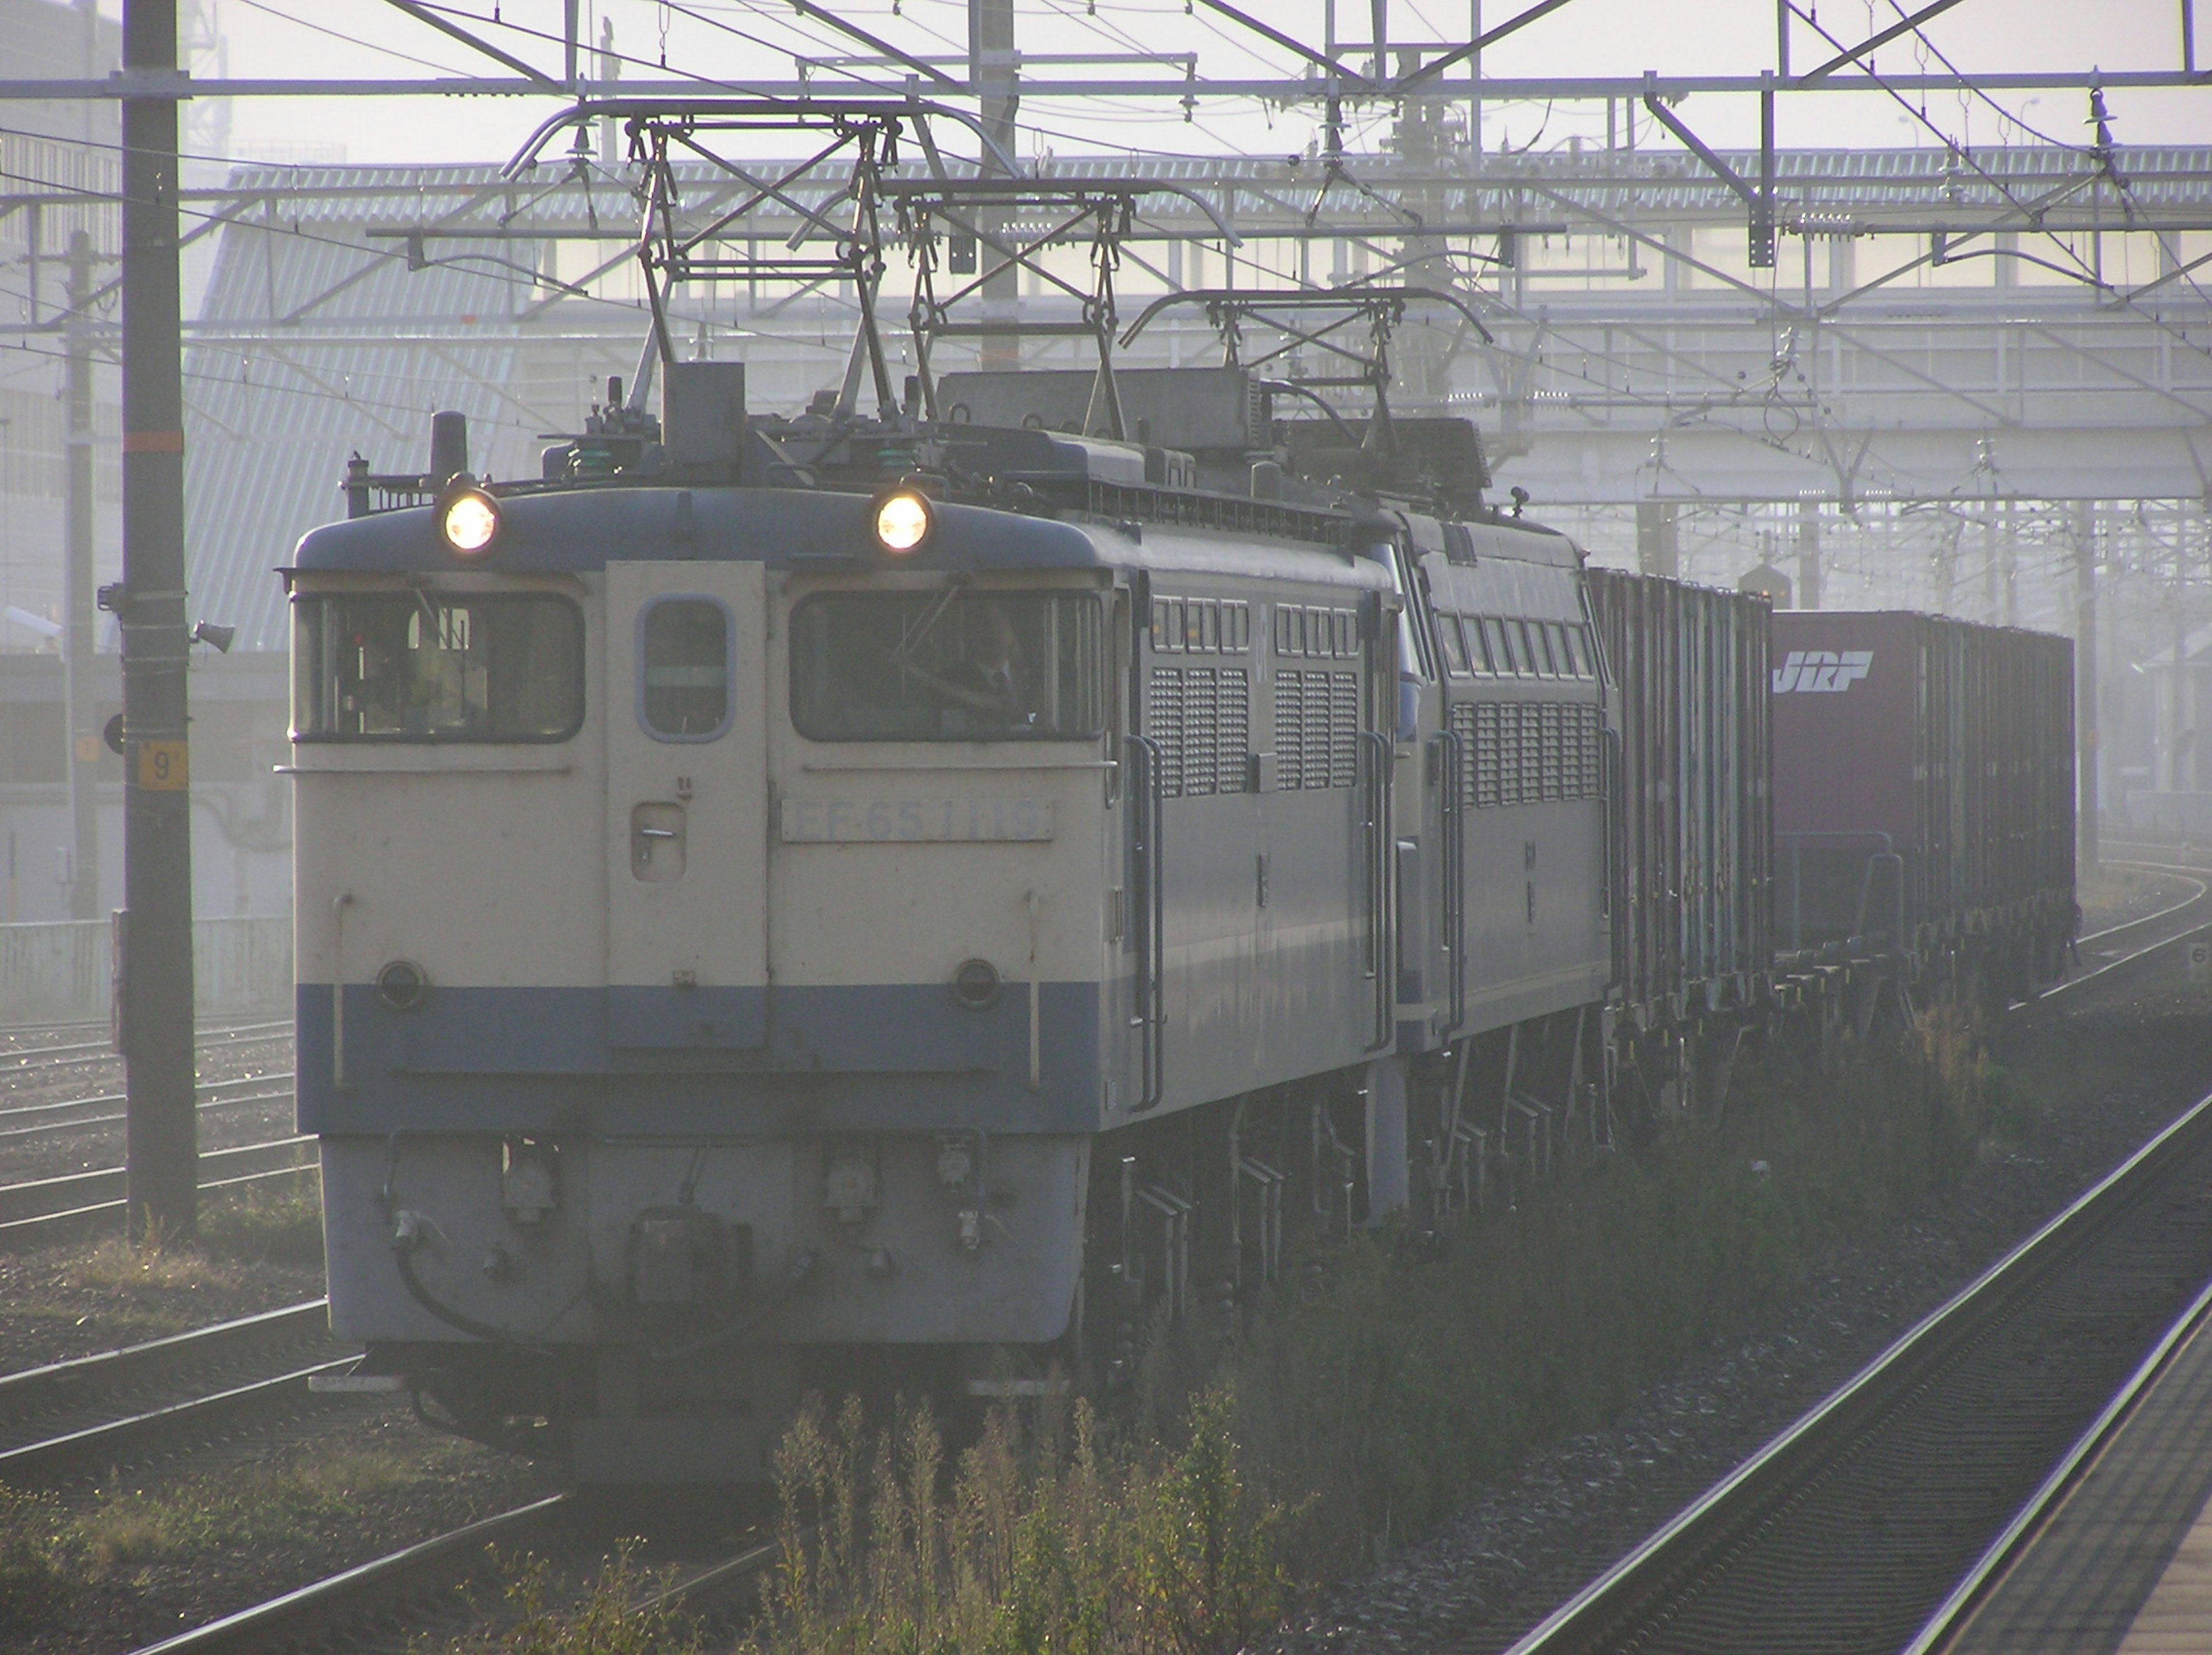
(1692, 913)
(1923, 781)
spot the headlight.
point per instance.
(903, 520)
(468, 521)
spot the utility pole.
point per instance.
(2085, 679)
(1658, 539)
(80, 688)
(1809, 554)
(162, 1155)
(993, 72)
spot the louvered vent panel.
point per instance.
(1529, 752)
(1200, 736)
(1313, 731)
(1466, 717)
(1507, 738)
(1163, 720)
(1233, 727)
(1289, 704)
(1343, 729)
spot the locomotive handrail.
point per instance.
(1149, 786)
(1451, 748)
(1381, 941)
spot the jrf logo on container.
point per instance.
(1821, 671)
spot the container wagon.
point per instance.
(1690, 828)
(1923, 805)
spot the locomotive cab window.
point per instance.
(1502, 657)
(684, 668)
(1563, 660)
(1455, 660)
(953, 664)
(1478, 647)
(424, 665)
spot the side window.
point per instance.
(684, 668)
(1577, 650)
(1526, 641)
(1501, 648)
(1563, 663)
(1454, 647)
(1167, 626)
(1478, 648)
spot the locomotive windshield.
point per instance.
(953, 665)
(428, 667)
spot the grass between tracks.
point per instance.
(1358, 1406)
(51, 1551)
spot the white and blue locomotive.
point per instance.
(780, 896)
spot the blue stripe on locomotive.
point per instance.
(874, 1057)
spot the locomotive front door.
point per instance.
(686, 847)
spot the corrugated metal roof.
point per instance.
(269, 427)
(268, 430)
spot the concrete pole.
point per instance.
(1658, 547)
(2010, 552)
(1809, 554)
(162, 1158)
(2085, 680)
(992, 70)
(2175, 705)
(80, 633)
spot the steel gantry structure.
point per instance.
(1699, 355)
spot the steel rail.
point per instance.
(2189, 874)
(2029, 1522)
(95, 1123)
(75, 1123)
(93, 1050)
(43, 1197)
(312, 1612)
(1627, 1606)
(108, 1099)
(2069, 984)
(712, 1580)
(51, 1459)
(56, 1383)
(75, 1222)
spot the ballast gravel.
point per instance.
(2111, 1063)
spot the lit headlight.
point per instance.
(903, 520)
(468, 521)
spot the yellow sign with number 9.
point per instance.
(162, 766)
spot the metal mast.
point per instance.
(79, 626)
(157, 858)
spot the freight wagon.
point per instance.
(1924, 793)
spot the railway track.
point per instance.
(18, 1059)
(92, 1412)
(363, 1607)
(24, 1121)
(83, 1416)
(47, 1210)
(1849, 1530)
(2115, 946)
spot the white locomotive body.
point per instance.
(731, 944)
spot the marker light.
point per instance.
(903, 520)
(468, 521)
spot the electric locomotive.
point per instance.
(786, 899)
